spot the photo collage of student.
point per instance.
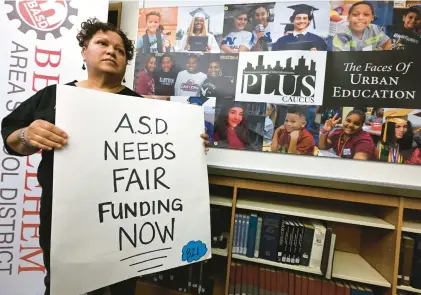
(192, 54)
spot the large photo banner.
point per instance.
(140, 199)
(331, 79)
(39, 48)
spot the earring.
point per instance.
(124, 79)
(83, 66)
(220, 73)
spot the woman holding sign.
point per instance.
(30, 127)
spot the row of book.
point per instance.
(410, 261)
(195, 278)
(254, 279)
(284, 239)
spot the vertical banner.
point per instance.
(39, 48)
(142, 203)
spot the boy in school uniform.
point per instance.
(293, 137)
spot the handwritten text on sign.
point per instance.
(132, 189)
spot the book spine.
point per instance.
(307, 244)
(300, 244)
(270, 237)
(416, 265)
(251, 238)
(281, 239)
(246, 230)
(291, 243)
(258, 237)
(242, 232)
(286, 242)
(236, 234)
(318, 243)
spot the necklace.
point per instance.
(338, 147)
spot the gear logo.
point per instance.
(42, 16)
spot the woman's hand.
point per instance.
(260, 35)
(44, 135)
(206, 142)
(331, 123)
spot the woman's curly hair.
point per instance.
(93, 25)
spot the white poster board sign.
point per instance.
(131, 192)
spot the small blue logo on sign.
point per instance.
(193, 251)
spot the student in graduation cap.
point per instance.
(301, 39)
(198, 28)
(361, 34)
(395, 145)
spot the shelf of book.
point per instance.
(410, 226)
(352, 267)
(219, 252)
(221, 201)
(301, 268)
(313, 211)
(409, 289)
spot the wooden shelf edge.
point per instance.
(222, 180)
(409, 288)
(317, 192)
(220, 252)
(305, 269)
(220, 201)
(412, 203)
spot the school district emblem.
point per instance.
(42, 16)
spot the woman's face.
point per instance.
(301, 22)
(241, 22)
(153, 23)
(235, 116)
(360, 17)
(199, 23)
(105, 53)
(166, 64)
(261, 15)
(214, 69)
(151, 65)
(400, 129)
(410, 20)
(191, 64)
(353, 124)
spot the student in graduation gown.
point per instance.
(395, 145)
(300, 39)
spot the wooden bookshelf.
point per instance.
(300, 268)
(313, 211)
(352, 267)
(409, 289)
(368, 228)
